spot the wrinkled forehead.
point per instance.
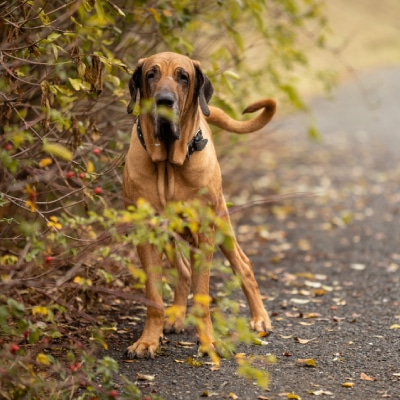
(167, 63)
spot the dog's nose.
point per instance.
(165, 99)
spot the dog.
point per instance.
(173, 159)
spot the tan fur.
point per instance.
(162, 173)
(219, 118)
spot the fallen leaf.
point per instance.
(286, 337)
(312, 315)
(287, 354)
(312, 284)
(303, 341)
(357, 267)
(233, 396)
(395, 326)
(144, 377)
(348, 384)
(259, 342)
(180, 361)
(307, 362)
(185, 344)
(299, 301)
(194, 363)
(319, 292)
(365, 377)
(290, 314)
(304, 245)
(293, 396)
(320, 392)
(263, 398)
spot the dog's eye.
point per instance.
(183, 77)
(150, 75)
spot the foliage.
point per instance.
(63, 136)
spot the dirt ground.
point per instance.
(328, 265)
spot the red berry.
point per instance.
(69, 174)
(8, 147)
(48, 259)
(26, 333)
(82, 175)
(114, 394)
(98, 190)
(96, 151)
(14, 348)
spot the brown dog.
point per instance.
(174, 159)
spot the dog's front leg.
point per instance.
(201, 297)
(148, 342)
(175, 315)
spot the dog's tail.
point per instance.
(219, 118)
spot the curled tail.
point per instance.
(219, 118)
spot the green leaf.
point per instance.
(17, 310)
(314, 134)
(57, 150)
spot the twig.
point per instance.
(61, 303)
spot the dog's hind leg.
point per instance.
(148, 342)
(241, 266)
(175, 315)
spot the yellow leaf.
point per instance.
(293, 396)
(202, 299)
(259, 342)
(395, 326)
(307, 362)
(53, 223)
(45, 162)
(77, 280)
(312, 315)
(57, 150)
(348, 384)
(194, 363)
(76, 83)
(31, 205)
(41, 358)
(39, 310)
(8, 259)
(90, 167)
(233, 396)
(156, 15)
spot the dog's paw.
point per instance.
(176, 326)
(261, 324)
(208, 349)
(175, 319)
(142, 349)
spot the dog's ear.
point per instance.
(203, 89)
(135, 84)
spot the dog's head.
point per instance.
(171, 88)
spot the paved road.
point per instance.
(329, 266)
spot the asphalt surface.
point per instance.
(328, 266)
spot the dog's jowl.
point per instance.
(172, 158)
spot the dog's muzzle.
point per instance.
(166, 117)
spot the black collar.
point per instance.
(196, 144)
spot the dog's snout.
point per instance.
(165, 99)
